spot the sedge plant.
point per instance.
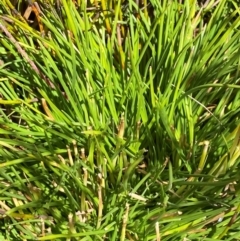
(120, 121)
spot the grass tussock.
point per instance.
(119, 120)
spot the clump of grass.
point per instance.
(125, 128)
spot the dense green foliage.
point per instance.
(120, 120)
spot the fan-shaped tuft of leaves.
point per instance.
(119, 120)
